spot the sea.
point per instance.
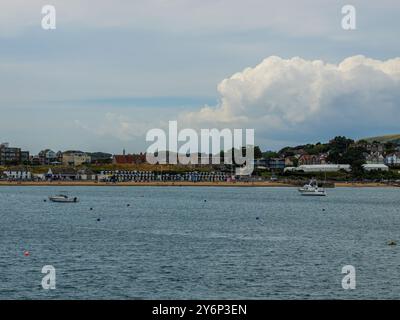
(198, 243)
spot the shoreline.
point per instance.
(187, 184)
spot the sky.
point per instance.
(112, 70)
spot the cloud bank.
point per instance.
(287, 101)
(287, 98)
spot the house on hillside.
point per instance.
(307, 159)
(375, 158)
(371, 146)
(393, 160)
(291, 161)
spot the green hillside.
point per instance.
(395, 138)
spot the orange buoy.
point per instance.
(26, 253)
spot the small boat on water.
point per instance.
(312, 189)
(63, 198)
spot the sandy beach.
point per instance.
(365, 185)
(150, 184)
(186, 184)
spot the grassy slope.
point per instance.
(384, 139)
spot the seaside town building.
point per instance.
(393, 160)
(375, 158)
(12, 156)
(276, 164)
(101, 158)
(17, 175)
(75, 158)
(291, 161)
(320, 168)
(24, 157)
(129, 158)
(47, 157)
(371, 147)
(375, 167)
(307, 159)
(261, 163)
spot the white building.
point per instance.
(319, 168)
(39, 177)
(75, 158)
(393, 160)
(18, 175)
(375, 167)
(375, 158)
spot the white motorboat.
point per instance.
(312, 189)
(63, 198)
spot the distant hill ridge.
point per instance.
(395, 138)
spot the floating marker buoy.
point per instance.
(26, 253)
(91, 209)
(128, 205)
(205, 200)
(257, 218)
(323, 209)
(98, 219)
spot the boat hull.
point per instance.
(313, 194)
(59, 200)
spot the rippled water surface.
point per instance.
(199, 243)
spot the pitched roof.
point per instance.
(123, 159)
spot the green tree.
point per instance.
(390, 147)
(270, 154)
(354, 156)
(337, 147)
(257, 152)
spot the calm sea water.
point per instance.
(172, 244)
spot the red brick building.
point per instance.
(129, 158)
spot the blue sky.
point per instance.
(146, 62)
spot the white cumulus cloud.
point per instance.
(294, 98)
